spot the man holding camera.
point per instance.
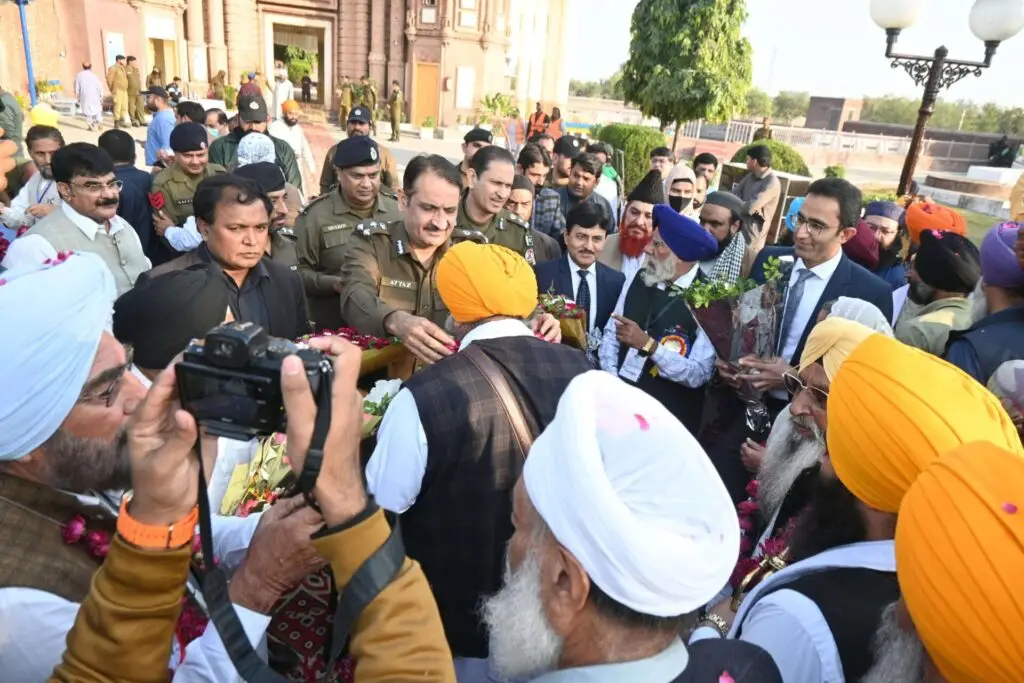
(234, 215)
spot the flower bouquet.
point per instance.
(378, 353)
(376, 402)
(740, 319)
(571, 317)
(257, 484)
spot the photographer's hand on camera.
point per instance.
(339, 490)
(165, 473)
(280, 556)
(424, 339)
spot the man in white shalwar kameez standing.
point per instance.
(89, 92)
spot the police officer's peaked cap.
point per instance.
(568, 146)
(359, 150)
(360, 114)
(189, 137)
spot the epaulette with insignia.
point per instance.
(388, 192)
(461, 234)
(315, 200)
(370, 228)
(286, 232)
(516, 219)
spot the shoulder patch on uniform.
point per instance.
(388, 192)
(313, 201)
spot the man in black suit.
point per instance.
(234, 215)
(579, 276)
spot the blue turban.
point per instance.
(888, 210)
(684, 236)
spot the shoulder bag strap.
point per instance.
(496, 378)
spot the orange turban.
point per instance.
(478, 281)
(289, 105)
(959, 555)
(927, 216)
(892, 409)
(832, 341)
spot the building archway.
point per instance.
(312, 35)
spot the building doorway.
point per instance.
(303, 45)
(162, 55)
(426, 94)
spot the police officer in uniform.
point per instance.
(344, 99)
(359, 124)
(472, 142)
(326, 225)
(271, 180)
(178, 182)
(482, 213)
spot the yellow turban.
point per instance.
(478, 281)
(289, 105)
(832, 341)
(959, 554)
(892, 409)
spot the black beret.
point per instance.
(189, 137)
(359, 150)
(161, 317)
(568, 146)
(267, 175)
(479, 135)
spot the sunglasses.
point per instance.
(795, 385)
(106, 397)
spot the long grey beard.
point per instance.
(978, 302)
(655, 271)
(522, 642)
(786, 455)
(898, 654)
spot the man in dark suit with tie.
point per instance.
(593, 286)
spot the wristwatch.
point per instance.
(716, 622)
(156, 537)
(648, 348)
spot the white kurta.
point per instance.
(283, 91)
(89, 92)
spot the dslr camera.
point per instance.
(230, 380)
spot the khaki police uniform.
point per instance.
(283, 247)
(504, 228)
(381, 275)
(322, 231)
(136, 106)
(117, 81)
(388, 170)
(395, 105)
(178, 189)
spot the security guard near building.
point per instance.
(368, 97)
(136, 103)
(178, 182)
(482, 214)
(395, 105)
(359, 124)
(326, 225)
(344, 99)
(472, 142)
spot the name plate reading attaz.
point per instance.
(401, 284)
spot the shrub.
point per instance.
(838, 171)
(784, 157)
(458, 120)
(230, 96)
(880, 197)
(636, 143)
(429, 122)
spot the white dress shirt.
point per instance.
(814, 287)
(607, 188)
(185, 238)
(631, 265)
(691, 371)
(394, 474)
(38, 190)
(661, 668)
(34, 624)
(574, 273)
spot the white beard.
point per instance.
(978, 302)
(898, 654)
(655, 271)
(786, 455)
(522, 642)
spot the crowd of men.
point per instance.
(597, 512)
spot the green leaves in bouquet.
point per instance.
(378, 409)
(703, 293)
(558, 306)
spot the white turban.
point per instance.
(53, 316)
(630, 493)
(28, 251)
(860, 311)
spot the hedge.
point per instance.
(636, 143)
(784, 157)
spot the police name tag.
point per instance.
(633, 366)
(401, 284)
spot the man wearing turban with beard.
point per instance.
(625, 250)
(652, 339)
(944, 271)
(889, 411)
(447, 451)
(997, 332)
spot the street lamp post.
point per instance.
(992, 21)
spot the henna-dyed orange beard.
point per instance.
(632, 246)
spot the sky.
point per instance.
(829, 48)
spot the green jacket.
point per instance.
(224, 151)
(11, 118)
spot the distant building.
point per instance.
(830, 113)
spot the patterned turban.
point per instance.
(892, 409)
(478, 281)
(927, 216)
(959, 553)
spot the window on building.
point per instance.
(467, 14)
(428, 15)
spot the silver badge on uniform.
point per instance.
(373, 154)
(400, 247)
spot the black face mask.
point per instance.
(677, 203)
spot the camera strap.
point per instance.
(315, 452)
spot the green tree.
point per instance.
(759, 103)
(789, 105)
(688, 60)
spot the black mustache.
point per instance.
(108, 202)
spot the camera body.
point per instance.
(230, 380)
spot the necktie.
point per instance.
(793, 296)
(583, 297)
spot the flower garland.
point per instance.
(5, 244)
(192, 621)
(364, 341)
(749, 513)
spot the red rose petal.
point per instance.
(1009, 508)
(644, 424)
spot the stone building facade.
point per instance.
(446, 54)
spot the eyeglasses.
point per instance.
(815, 227)
(886, 232)
(116, 377)
(795, 385)
(94, 188)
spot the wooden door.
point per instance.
(426, 92)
